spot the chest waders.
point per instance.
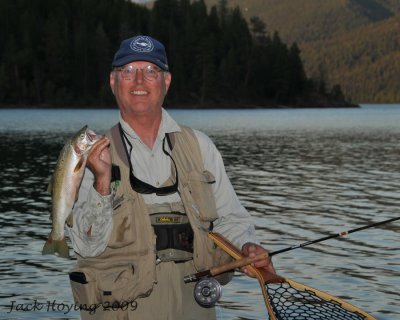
(174, 234)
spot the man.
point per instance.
(151, 192)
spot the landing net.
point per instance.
(292, 303)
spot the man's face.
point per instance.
(136, 92)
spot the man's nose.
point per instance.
(139, 75)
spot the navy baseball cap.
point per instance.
(141, 48)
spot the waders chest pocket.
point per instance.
(174, 236)
(84, 289)
(201, 190)
(112, 286)
(78, 277)
(178, 237)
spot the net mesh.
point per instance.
(291, 303)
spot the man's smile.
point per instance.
(139, 92)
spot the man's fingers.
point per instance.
(99, 158)
(99, 146)
(97, 149)
(251, 250)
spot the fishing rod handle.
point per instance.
(237, 264)
(214, 271)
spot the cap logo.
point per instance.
(142, 44)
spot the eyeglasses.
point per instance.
(149, 72)
(141, 186)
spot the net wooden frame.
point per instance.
(286, 299)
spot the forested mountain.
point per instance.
(58, 53)
(355, 43)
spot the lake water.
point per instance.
(301, 173)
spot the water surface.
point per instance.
(302, 174)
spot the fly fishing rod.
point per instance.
(243, 262)
(336, 235)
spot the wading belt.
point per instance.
(174, 233)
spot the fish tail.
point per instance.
(56, 246)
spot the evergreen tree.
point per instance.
(297, 76)
(60, 52)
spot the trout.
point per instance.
(64, 187)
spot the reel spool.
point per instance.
(207, 292)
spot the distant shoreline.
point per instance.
(196, 107)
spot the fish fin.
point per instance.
(70, 220)
(56, 246)
(79, 165)
(50, 186)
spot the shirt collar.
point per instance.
(167, 125)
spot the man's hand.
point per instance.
(99, 162)
(251, 250)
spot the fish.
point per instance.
(64, 187)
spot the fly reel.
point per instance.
(207, 292)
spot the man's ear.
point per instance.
(112, 81)
(167, 80)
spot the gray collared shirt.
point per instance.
(93, 211)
